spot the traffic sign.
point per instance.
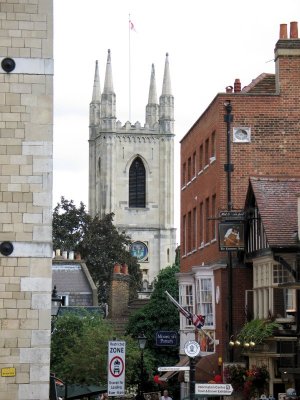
(218, 389)
(164, 369)
(116, 368)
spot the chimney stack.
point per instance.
(283, 31)
(237, 86)
(119, 292)
(287, 58)
(294, 30)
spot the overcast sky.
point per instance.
(210, 43)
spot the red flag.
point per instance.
(131, 26)
(197, 320)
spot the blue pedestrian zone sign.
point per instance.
(166, 338)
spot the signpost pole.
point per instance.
(192, 349)
(192, 377)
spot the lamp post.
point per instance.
(142, 340)
(56, 303)
(228, 168)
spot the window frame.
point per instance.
(137, 189)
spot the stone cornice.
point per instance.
(134, 138)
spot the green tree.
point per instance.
(68, 224)
(102, 246)
(79, 350)
(99, 242)
(158, 315)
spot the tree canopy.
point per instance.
(69, 224)
(99, 242)
(159, 315)
(79, 350)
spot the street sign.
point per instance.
(164, 369)
(218, 389)
(192, 348)
(116, 368)
(166, 338)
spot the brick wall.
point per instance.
(119, 295)
(273, 149)
(270, 107)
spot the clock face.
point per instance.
(139, 250)
(241, 134)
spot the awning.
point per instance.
(207, 368)
(77, 391)
(182, 363)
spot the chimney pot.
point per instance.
(237, 86)
(294, 30)
(229, 89)
(124, 269)
(283, 31)
(117, 268)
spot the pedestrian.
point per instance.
(166, 396)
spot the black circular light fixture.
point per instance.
(8, 64)
(6, 248)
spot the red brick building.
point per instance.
(264, 140)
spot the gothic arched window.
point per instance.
(137, 184)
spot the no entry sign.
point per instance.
(116, 368)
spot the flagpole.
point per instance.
(129, 69)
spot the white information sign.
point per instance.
(218, 389)
(116, 368)
(164, 369)
(192, 348)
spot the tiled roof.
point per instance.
(276, 199)
(70, 277)
(264, 84)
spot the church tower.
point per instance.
(131, 171)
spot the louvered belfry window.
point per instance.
(137, 184)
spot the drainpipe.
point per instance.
(228, 168)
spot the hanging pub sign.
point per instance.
(231, 236)
(236, 215)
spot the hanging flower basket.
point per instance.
(248, 382)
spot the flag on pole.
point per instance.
(197, 320)
(131, 26)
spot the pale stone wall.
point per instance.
(153, 225)
(26, 96)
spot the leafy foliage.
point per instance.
(250, 382)
(68, 224)
(236, 375)
(98, 241)
(79, 350)
(257, 330)
(101, 247)
(158, 314)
